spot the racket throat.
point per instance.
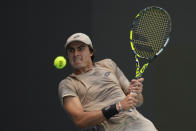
(139, 72)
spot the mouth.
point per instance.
(77, 60)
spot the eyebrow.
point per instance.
(83, 45)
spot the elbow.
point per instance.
(81, 124)
(82, 121)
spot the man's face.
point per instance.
(79, 55)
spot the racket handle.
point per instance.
(131, 109)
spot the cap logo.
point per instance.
(76, 36)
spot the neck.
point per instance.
(84, 69)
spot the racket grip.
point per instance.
(131, 109)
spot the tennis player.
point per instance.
(97, 94)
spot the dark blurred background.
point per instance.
(33, 34)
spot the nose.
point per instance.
(76, 53)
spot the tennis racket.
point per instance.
(149, 35)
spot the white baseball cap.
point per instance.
(79, 37)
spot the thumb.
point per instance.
(133, 81)
(141, 80)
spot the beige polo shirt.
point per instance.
(103, 85)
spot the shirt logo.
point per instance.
(107, 74)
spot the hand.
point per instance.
(136, 86)
(128, 102)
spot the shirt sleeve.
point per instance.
(66, 88)
(124, 82)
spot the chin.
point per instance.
(78, 66)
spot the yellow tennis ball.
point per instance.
(60, 62)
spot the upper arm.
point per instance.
(71, 103)
(73, 106)
(124, 82)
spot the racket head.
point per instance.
(150, 32)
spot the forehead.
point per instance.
(76, 44)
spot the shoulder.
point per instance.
(66, 82)
(107, 63)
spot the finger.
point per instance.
(132, 87)
(141, 80)
(140, 85)
(132, 106)
(133, 81)
(130, 98)
(133, 95)
(136, 89)
(134, 102)
(133, 84)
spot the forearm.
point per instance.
(84, 119)
(88, 119)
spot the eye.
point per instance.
(81, 48)
(70, 50)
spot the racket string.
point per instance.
(150, 31)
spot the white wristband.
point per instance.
(120, 106)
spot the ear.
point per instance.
(92, 52)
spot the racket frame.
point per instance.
(140, 71)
